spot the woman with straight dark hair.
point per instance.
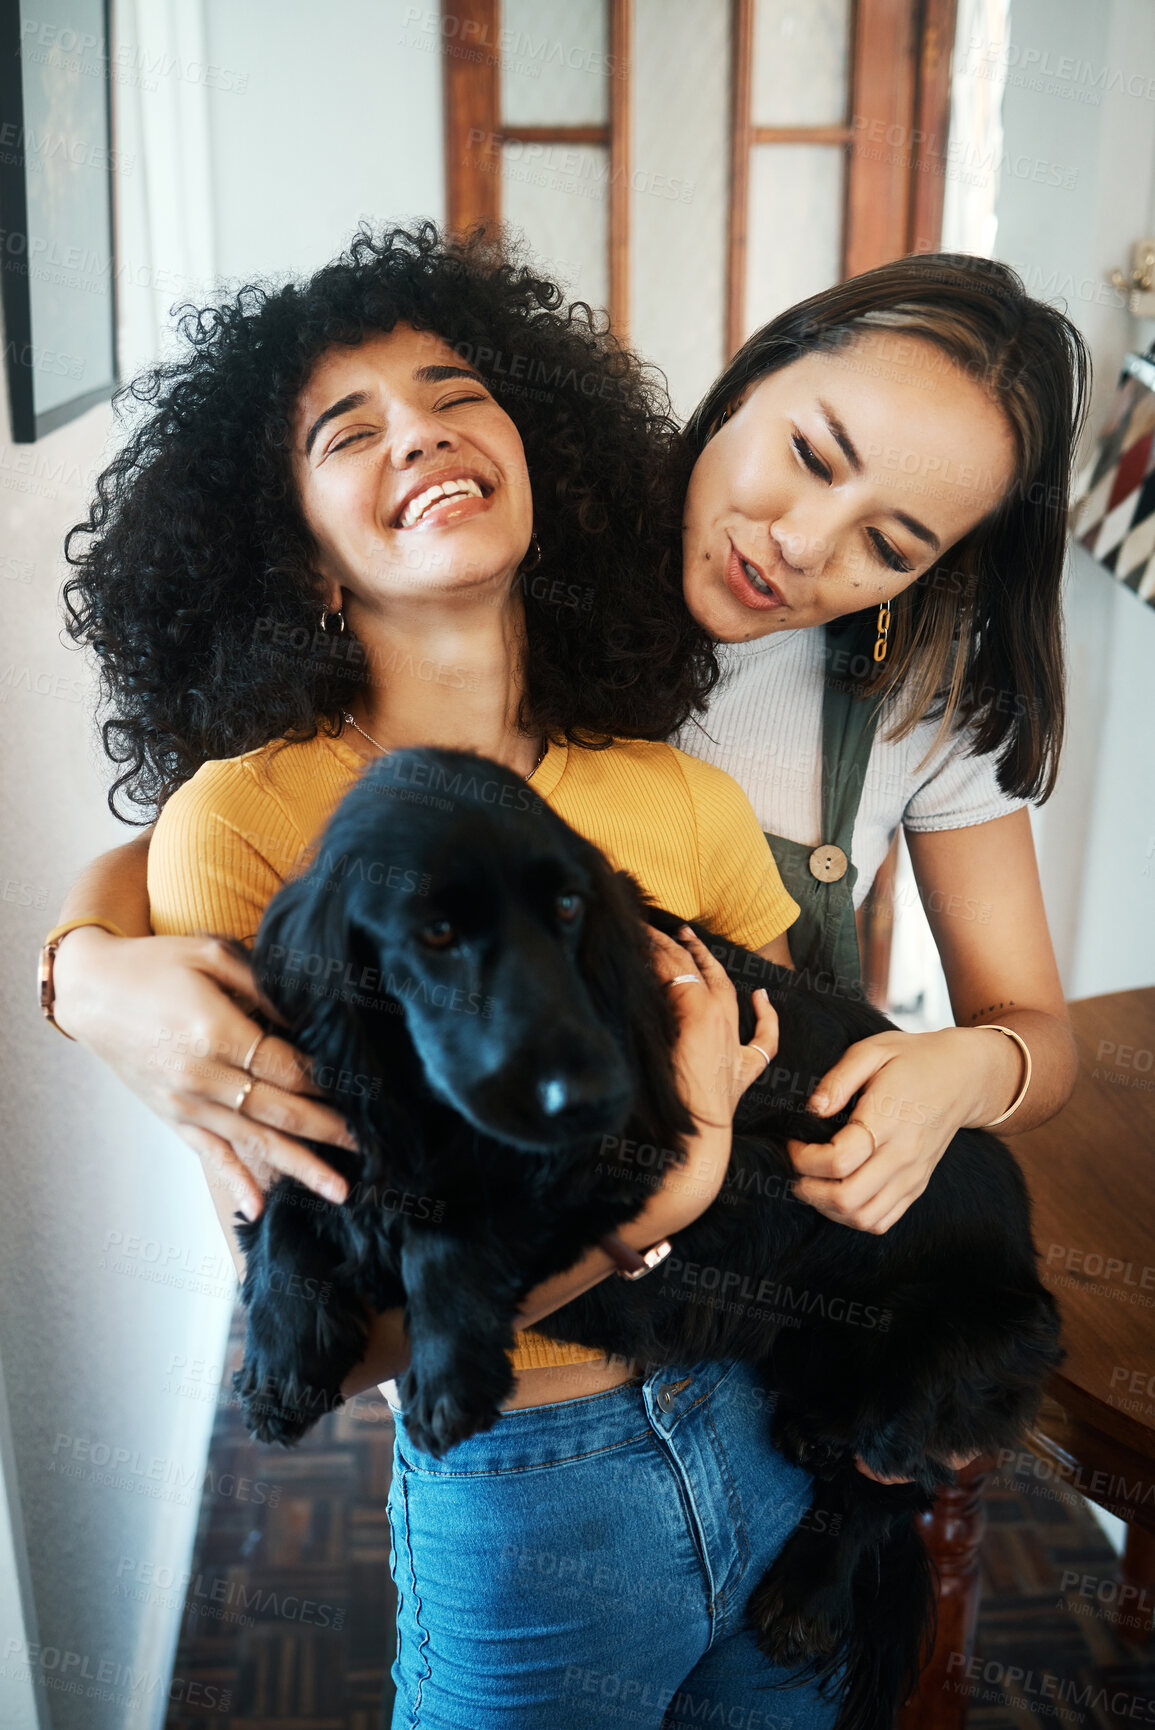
(888, 659)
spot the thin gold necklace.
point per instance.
(380, 747)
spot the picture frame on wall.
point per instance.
(57, 255)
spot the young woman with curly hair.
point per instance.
(321, 543)
(904, 438)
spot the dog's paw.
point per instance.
(438, 1414)
(453, 1388)
(281, 1413)
(801, 1614)
(821, 1456)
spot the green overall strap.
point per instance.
(821, 879)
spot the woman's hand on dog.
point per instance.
(172, 1017)
(918, 1090)
(713, 1067)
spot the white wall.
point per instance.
(1096, 837)
(1075, 190)
(87, 1340)
(23, 1705)
(680, 138)
(85, 1348)
(339, 117)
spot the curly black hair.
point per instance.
(195, 578)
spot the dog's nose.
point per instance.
(553, 1096)
(585, 1101)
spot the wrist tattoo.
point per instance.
(977, 1014)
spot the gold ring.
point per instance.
(247, 1064)
(685, 979)
(869, 1131)
(242, 1096)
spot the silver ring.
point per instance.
(685, 979)
(242, 1096)
(246, 1065)
(754, 1046)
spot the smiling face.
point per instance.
(412, 479)
(836, 483)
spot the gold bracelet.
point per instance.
(632, 1263)
(1022, 1093)
(48, 948)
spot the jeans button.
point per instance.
(668, 1393)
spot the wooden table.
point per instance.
(1091, 1172)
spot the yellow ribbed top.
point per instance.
(228, 838)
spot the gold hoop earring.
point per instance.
(880, 645)
(326, 615)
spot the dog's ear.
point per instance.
(324, 974)
(615, 961)
(300, 957)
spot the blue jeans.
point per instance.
(588, 1564)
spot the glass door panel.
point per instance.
(799, 63)
(558, 196)
(555, 64)
(795, 244)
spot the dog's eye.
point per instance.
(438, 934)
(567, 908)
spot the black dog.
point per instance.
(473, 980)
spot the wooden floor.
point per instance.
(290, 1609)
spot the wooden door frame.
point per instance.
(475, 132)
(471, 91)
(894, 136)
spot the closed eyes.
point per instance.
(889, 555)
(352, 438)
(811, 459)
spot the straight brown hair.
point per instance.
(977, 641)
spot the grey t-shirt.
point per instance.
(764, 727)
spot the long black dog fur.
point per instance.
(472, 981)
